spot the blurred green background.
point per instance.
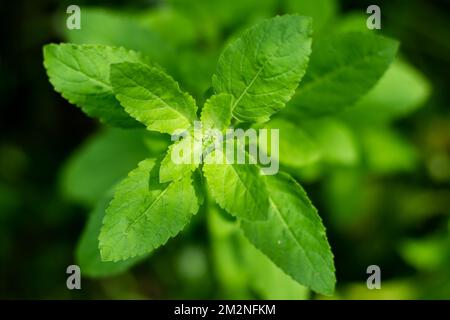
(382, 184)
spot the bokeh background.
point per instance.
(383, 193)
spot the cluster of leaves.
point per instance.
(257, 74)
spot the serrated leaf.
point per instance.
(343, 68)
(293, 236)
(237, 188)
(263, 67)
(187, 154)
(269, 281)
(217, 112)
(88, 253)
(144, 214)
(241, 268)
(81, 74)
(152, 97)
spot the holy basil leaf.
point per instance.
(81, 74)
(269, 281)
(88, 253)
(187, 154)
(343, 68)
(217, 112)
(263, 67)
(242, 269)
(237, 188)
(152, 97)
(144, 214)
(293, 236)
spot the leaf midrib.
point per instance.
(156, 97)
(247, 87)
(79, 71)
(149, 206)
(291, 232)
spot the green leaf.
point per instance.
(343, 68)
(237, 188)
(81, 74)
(144, 214)
(242, 269)
(401, 91)
(89, 172)
(322, 11)
(269, 281)
(263, 67)
(152, 97)
(88, 253)
(185, 150)
(217, 112)
(293, 236)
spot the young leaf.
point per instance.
(263, 67)
(237, 188)
(152, 97)
(185, 149)
(81, 74)
(144, 214)
(342, 69)
(217, 112)
(87, 252)
(293, 236)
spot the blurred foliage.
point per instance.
(378, 172)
